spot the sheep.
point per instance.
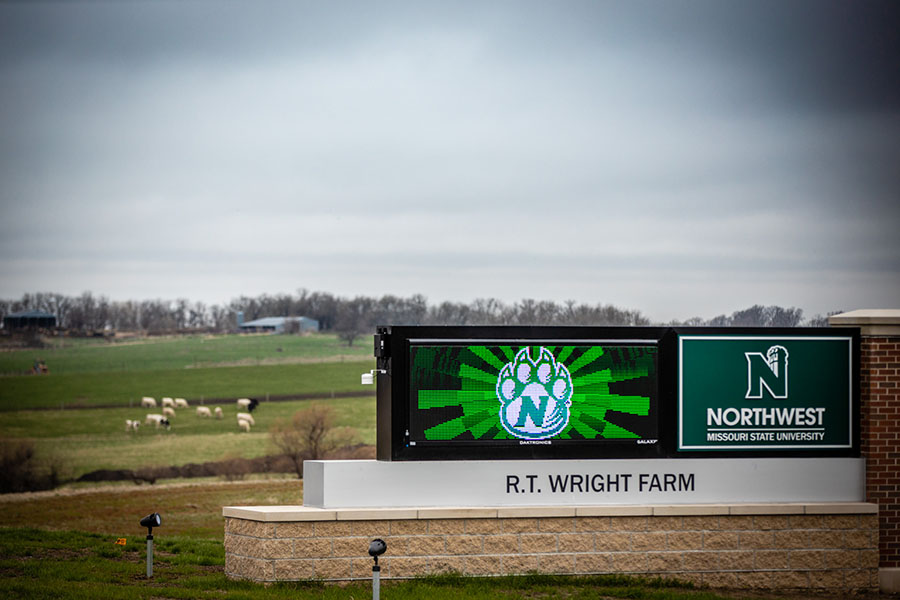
(244, 425)
(157, 419)
(246, 417)
(148, 401)
(169, 412)
(203, 411)
(181, 403)
(219, 413)
(248, 403)
(168, 402)
(132, 425)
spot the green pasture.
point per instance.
(127, 387)
(77, 432)
(80, 441)
(72, 355)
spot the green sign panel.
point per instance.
(757, 392)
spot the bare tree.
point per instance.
(777, 316)
(221, 318)
(320, 306)
(355, 319)
(449, 313)
(310, 435)
(749, 317)
(179, 311)
(5, 308)
(821, 320)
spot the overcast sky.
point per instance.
(682, 158)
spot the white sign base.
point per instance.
(377, 484)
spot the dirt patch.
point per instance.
(60, 554)
(113, 489)
(235, 468)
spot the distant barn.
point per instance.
(279, 325)
(29, 319)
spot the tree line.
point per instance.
(352, 317)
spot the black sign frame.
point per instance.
(392, 353)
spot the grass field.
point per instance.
(94, 568)
(73, 355)
(92, 374)
(63, 546)
(85, 440)
(76, 565)
(124, 387)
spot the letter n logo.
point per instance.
(768, 371)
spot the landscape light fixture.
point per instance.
(377, 547)
(369, 378)
(150, 521)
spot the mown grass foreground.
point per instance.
(77, 565)
(63, 545)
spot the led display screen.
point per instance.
(542, 395)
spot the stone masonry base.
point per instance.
(772, 546)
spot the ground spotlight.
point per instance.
(150, 521)
(377, 547)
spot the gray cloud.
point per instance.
(682, 159)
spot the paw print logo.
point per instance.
(535, 395)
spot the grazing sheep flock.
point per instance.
(244, 419)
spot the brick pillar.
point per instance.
(880, 427)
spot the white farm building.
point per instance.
(277, 325)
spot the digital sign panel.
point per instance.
(512, 395)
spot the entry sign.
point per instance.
(757, 392)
